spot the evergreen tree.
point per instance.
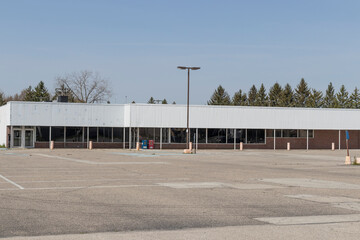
(133, 102)
(330, 99)
(301, 94)
(315, 99)
(28, 94)
(355, 99)
(151, 101)
(41, 94)
(261, 97)
(219, 97)
(64, 91)
(252, 96)
(2, 98)
(342, 98)
(164, 101)
(287, 97)
(275, 93)
(239, 99)
(174, 102)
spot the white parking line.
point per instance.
(98, 163)
(311, 219)
(83, 187)
(9, 181)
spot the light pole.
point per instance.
(188, 93)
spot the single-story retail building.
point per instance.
(73, 125)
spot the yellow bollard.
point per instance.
(137, 146)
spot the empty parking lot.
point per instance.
(71, 191)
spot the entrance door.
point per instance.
(17, 138)
(29, 138)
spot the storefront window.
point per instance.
(255, 136)
(74, 134)
(105, 134)
(216, 135)
(178, 135)
(42, 134)
(57, 134)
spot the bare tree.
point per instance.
(85, 86)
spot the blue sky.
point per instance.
(137, 45)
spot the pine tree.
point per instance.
(315, 99)
(2, 99)
(330, 99)
(41, 94)
(28, 94)
(219, 97)
(239, 99)
(164, 101)
(342, 98)
(174, 102)
(355, 99)
(252, 96)
(261, 97)
(301, 94)
(275, 95)
(151, 101)
(287, 97)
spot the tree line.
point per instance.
(83, 87)
(278, 96)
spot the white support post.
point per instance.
(197, 139)
(307, 139)
(138, 135)
(64, 136)
(160, 138)
(169, 135)
(235, 139)
(49, 136)
(87, 137)
(83, 135)
(130, 137)
(112, 134)
(246, 136)
(226, 135)
(339, 140)
(206, 136)
(274, 139)
(97, 134)
(124, 137)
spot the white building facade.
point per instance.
(35, 124)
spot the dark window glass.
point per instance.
(270, 133)
(42, 134)
(178, 135)
(105, 134)
(118, 134)
(230, 135)
(290, 133)
(165, 135)
(74, 134)
(311, 133)
(126, 134)
(57, 134)
(278, 133)
(93, 134)
(202, 135)
(148, 134)
(240, 135)
(255, 136)
(216, 135)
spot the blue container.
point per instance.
(144, 144)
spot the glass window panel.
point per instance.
(74, 134)
(93, 134)
(165, 135)
(311, 133)
(105, 134)
(17, 138)
(178, 135)
(118, 134)
(202, 135)
(240, 135)
(230, 135)
(57, 134)
(146, 134)
(255, 136)
(126, 134)
(270, 133)
(302, 133)
(42, 134)
(278, 133)
(216, 135)
(290, 133)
